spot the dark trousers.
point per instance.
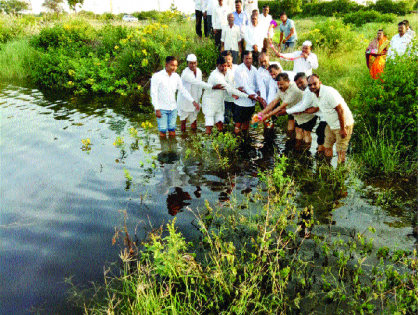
(320, 132)
(209, 25)
(217, 38)
(228, 112)
(198, 18)
(255, 56)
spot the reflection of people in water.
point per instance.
(168, 154)
(176, 201)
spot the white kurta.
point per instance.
(398, 45)
(214, 100)
(253, 36)
(302, 64)
(246, 78)
(230, 78)
(231, 36)
(194, 85)
(306, 103)
(219, 17)
(263, 82)
(265, 21)
(249, 6)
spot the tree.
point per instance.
(13, 6)
(53, 5)
(73, 3)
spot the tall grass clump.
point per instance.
(386, 137)
(251, 259)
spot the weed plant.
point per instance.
(252, 259)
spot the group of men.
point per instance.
(232, 91)
(238, 26)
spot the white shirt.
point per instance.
(249, 6)
(246, 78)
(230, 79)
(272, 91)
(219, 17)
(253, 36)
(328, 100)
(214, 100)
(200, 5)
(230, 4)
(302, 64)
(263, 82)
(304, 105)
(231, 36)
(194, 85)
(163, 88)
(398, 45)
(210, 5)
(297, 108)
(265, 21)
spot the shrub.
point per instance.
(389, 6)
(331, 8)
(389, 110)
(147, 15)
(362, 17)
(333, 35)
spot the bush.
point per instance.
(331, 8)
(362, 17)
(333, 35)
(147, 15)
(277, 7)
(388, 6)
(389, 110)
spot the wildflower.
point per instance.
(71, 73)
(144, 51)
(70, 83)
(144, 62)
(116, 47)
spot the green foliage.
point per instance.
(362, 17)
(387, 139)
(333, 35)
(147, 15)
(17, 61)
(53, 5)
(331, 8)
(13, 6)
(389, 6)
(72, 3)
(277, 7)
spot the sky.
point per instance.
(124, 6)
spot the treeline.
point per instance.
(337, 7)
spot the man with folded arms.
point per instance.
(191, 79)
(163, 87)
(231, 39)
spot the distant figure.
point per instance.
(220, 12)
(191, 79)
(409, 30)
(375, 54)
(231, 38)
(250, 5)
(254, 39)
(210, 4)
(400, 42)
(337, 115)
(288, 35)
(163, 87)
(200, 8)
(303, 61)
(264, 19)
(230, 78)
(242, 19)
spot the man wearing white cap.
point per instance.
(191, 79)
(304, 60)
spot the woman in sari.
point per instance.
(376, 53)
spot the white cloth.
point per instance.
(163, 88)
(246, 78)
(253, 36)
(214, 100)
(263, 82)
(304, 105)
(210, 5)
(265, 21)
(200, 5)
(398, 45)
(249, 6)
(219, 17)
(297, 108)
(328, 100)
(411, 33)
(194, 85)
(302, 64)
(230, 79)
(230, 4)
(191, 116)
(272, 91)
(231, 36)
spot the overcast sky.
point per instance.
(124, 6)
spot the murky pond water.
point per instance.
(61, 200)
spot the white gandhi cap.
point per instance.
(307, 43)
(191, 58)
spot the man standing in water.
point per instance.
(163, 87)
(191, 78)
(337, 115)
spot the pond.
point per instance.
(62, 198)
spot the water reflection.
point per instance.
(176, 201)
